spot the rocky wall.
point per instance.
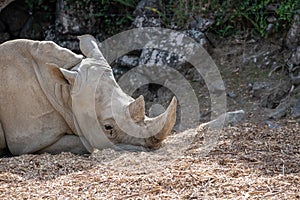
(62, 21)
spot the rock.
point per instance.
(272, 125)
(124, 63)
(295, 79)
(155, 110)
(293, 64)
(144, 21)
(200, 23)
(193, 75)
(296, 109)
(146, 91)
(147, 14)
(234, 117)
(119, 71)
(14, 18)
(147, 7)
(32, 29)
(270, 30)
(196, 35)
(163, 62)
(78, 17)
(271, 19)
(129, 61)
(229, 118)
(271, 94)
(157, 99)
(293, 36)
(4, 37)
(2, 27)
(51, 34)
(4, 3)
(67, 41)
(163, 96)
(275, 95)
(71, 44)
(295, 58)
(272, 7)
(158, 57)
(260, 88)
(279, 113)
(231, 94)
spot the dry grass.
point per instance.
(249, 162)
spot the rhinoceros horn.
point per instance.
(164, 122)
(137, 109)
(153, 130)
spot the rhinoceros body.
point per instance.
(42, 109)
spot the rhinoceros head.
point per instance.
(103, 113)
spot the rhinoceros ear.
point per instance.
(69, 75)
(60, 75)
(89, 47)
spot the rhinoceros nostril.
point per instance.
(108, 127)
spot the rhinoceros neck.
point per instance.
(58, 95)
(63, 103)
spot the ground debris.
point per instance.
(250, 161)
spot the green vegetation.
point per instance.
(45, 6)
(42, 10)
(116, 14)
(253, 14)
(232, 16)
(176, 13)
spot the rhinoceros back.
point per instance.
(29, 120)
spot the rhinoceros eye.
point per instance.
(108, 127)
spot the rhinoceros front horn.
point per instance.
(164, 122)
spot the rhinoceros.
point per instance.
(53, 100)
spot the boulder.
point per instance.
(276, 94)
(228, 118)
(146, 14)
(14, 17)
(293, 35)
(32, 29)
(200, 23)
(296, 109)
(78, 17)
(260, 88)
(4, 3)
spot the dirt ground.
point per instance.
(251, 160)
